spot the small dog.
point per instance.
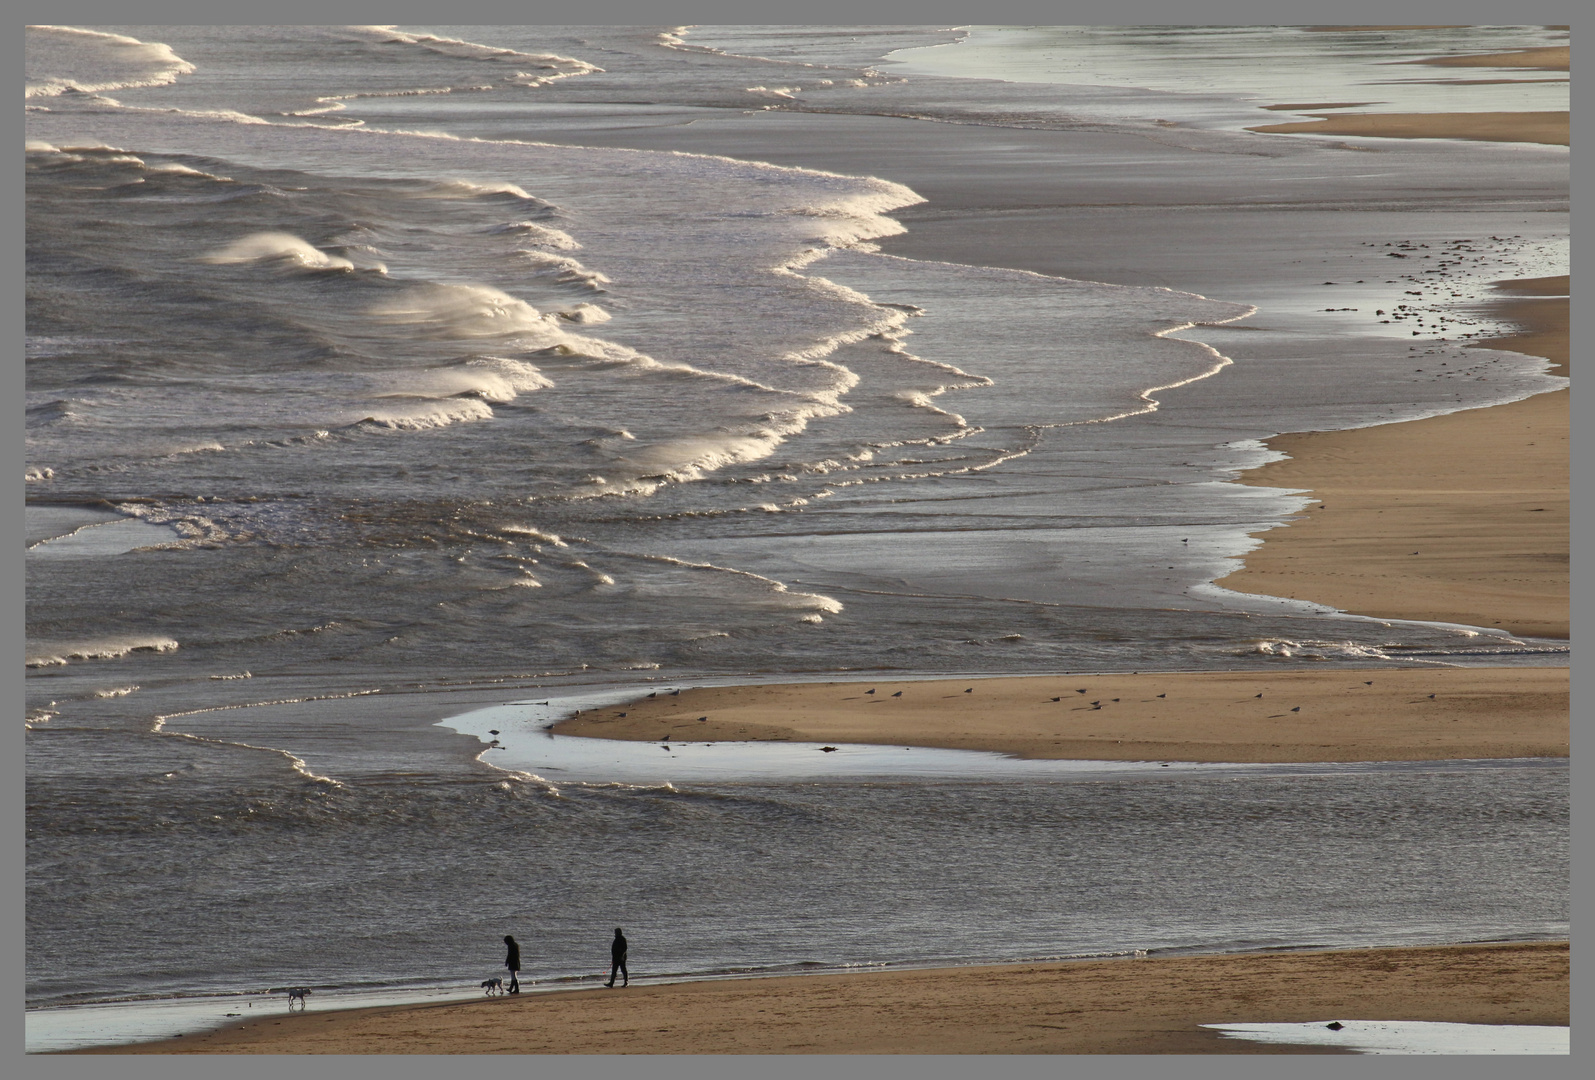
(492, 986)
(297, 993)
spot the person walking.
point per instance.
(513, 962)
(617, 960)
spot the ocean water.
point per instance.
(377, 375)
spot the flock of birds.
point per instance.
(1096, 705)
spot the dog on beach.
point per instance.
(492, 986)
(297, 993)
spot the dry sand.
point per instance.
(1460, 518)
(1550, 128)
(1141, 1006)
(1211, 716)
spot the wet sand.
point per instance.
(1550, 128)
(1459, 518)
(1267, 716)
(1124, 1006)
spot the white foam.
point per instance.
(461, 311)
(471, 50)
(275, 246)
(536, 534)
(425, 414)
(533, 233)
(63, 58)
(60, 653)
(493, 379)
(585, 313)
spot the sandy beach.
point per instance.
(1463, 518)
(1121, 1006)
(1458, 518)
(1552, 58)
(1550, 128)
(1287, 715)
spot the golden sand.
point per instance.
(1550, 128)
(1459, 518)
(1140, 1006)
(1287, 715)
(1549, 58)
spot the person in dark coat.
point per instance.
(617, 960)
(513, 962)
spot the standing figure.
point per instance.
(513, 962)
(617, 960)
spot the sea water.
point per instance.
(374, 369)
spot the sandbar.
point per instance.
(1294, 714)
(1150, 1005)
(1461, 518)
(1550, 128)
(1547, 58)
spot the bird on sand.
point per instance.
(1296, 709)
(1080, 691)
(971, 690)
(1162, 695)
(1057, 699)
(871, 690)
(701, 718)
(898, 694)
(1259, 695)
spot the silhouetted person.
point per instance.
(617, 960)
(513, 962)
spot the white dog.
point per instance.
(493, 986)
(297, 993)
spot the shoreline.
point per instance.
(1462, 517)
(1122, 1005)
(1291, 715)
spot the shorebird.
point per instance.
(702, 718)
(1162, 695)
(971, 690)
(871, 690)
(898, 694)
(1080, 691)
(1296, 709)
